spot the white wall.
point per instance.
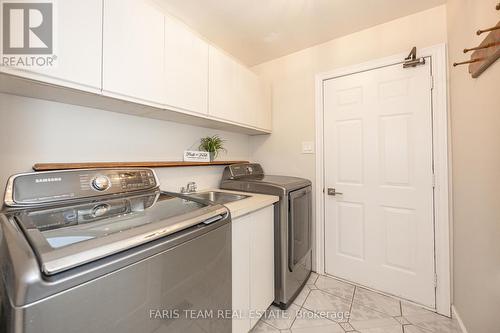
(292, 80)
(475, 122)
(33, 130)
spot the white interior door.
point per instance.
(378, 153)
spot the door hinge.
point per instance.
(435, 280)
(432, 82)
(433, 180)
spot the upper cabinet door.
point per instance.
(225, 88)
(134, 52)
(186, 68)
(78, 47)
(257, 100)
(263, 114)
(236, 93)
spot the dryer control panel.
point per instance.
(242, 170)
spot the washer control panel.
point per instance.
(53, 186)
(137, 180)
(116, 181)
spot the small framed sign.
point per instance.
(196, 156)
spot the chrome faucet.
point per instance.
(189, 188)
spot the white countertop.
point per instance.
(254, 202)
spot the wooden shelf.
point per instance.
(87, 165)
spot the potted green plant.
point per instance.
(212, 144)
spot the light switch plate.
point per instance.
(307, 147)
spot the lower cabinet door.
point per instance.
(241, 274)
(261, 262)
(252, 267)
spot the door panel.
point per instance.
(400, 244)
(378, 153)
(350, 230)
(350, 154)
(395, 150)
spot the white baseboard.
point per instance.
(454, 314)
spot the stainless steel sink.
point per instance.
(218, 197)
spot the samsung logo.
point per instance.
(48, 180)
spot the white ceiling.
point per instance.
(256, 31)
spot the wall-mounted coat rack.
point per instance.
(486, 53)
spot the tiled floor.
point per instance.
(327, 305)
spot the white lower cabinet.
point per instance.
(241, 273)
(252, 267)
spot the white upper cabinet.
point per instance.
(225, 87)
(236, 93)
(78, 47)
(134, 51)
(263, 114)
(186, 68)
(257, 100)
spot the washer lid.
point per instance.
(68, 236)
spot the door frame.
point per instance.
(441, 156)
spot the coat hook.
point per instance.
(486, 30)
(481, 47)
(498, 6)
(467, 62)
